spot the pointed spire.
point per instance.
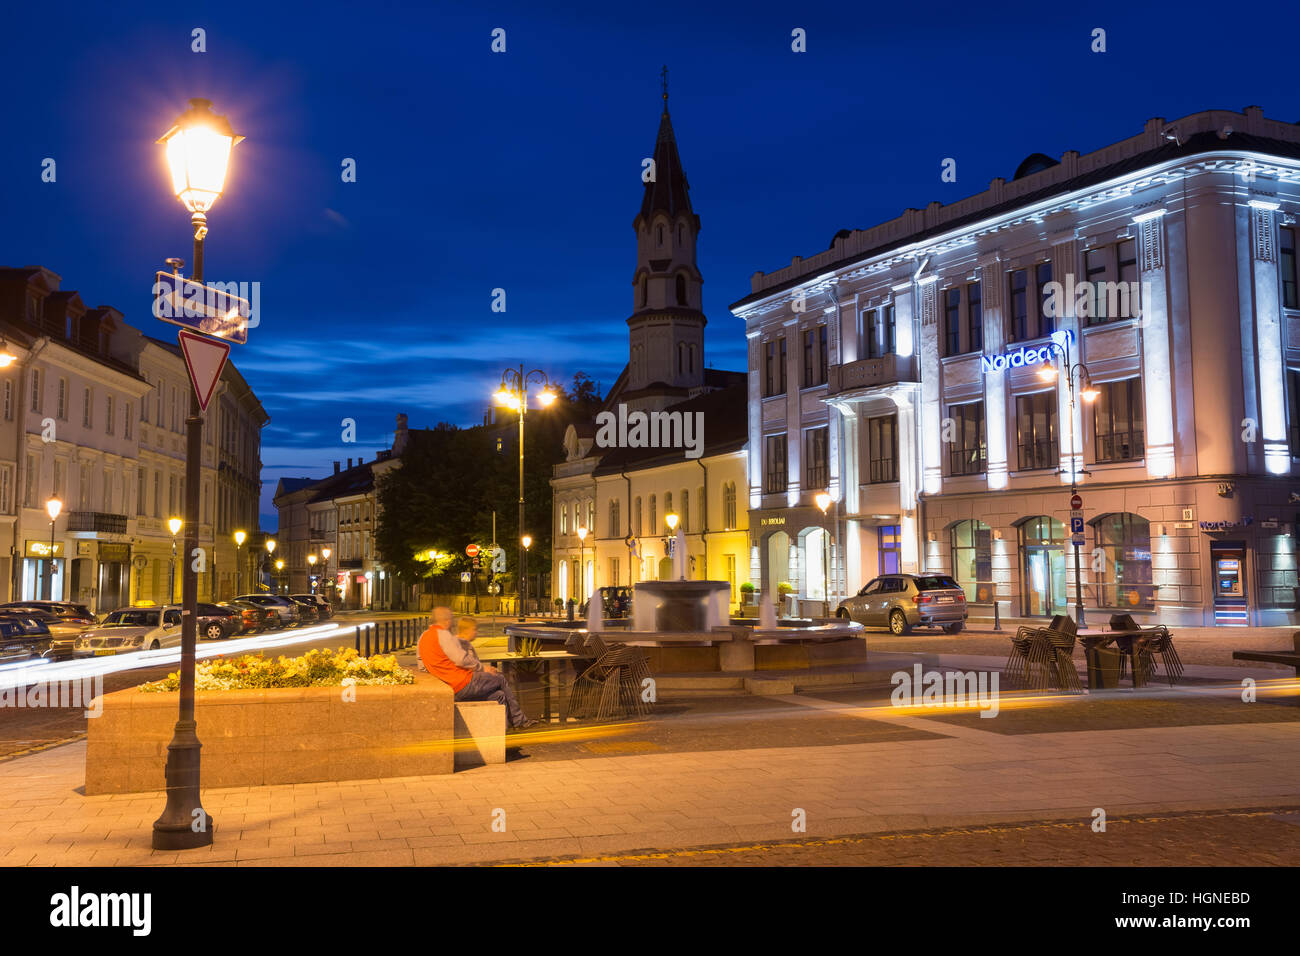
(670, 191)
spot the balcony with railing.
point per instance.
(96, 522)
(869, 373)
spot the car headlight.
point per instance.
(137, 640)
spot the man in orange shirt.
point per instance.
(452, 660)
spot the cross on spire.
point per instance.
(664, 74)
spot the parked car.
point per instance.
(22, 638)
(253, 617)
(64, 610)
(217, 622)
(323, 610)
(307, 612)
(286, 609)
(63, 630)
(904, 601)
(132, 629)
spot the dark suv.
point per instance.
(322, 606)
(22, 638)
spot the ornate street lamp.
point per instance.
(311, 562)
(174, 525)
(513, 393)
(198, 148)
(823, 501)
(324, 573)
(527, 542)
(7, 357)
(240, 536)
(582, 563)
(52, 508)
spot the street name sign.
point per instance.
(203, 308)
(204, 360)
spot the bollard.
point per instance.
(367, 642)
(997, 618)
(358, 640)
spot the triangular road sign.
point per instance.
(204, 359)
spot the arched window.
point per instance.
(668, 504)
(729, 505)
(645, 291)
(654, 517)
(680, 234)
(564, 519)
(972, 559)
(681, 289)
(613, 518)
(686, 510)
(637, 528)
(1125, 579)
(681, 357)
(661, 235)
(690, 364)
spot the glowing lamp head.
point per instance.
(823, 501)
(174, 525)
(1047, 373)
(527, 541)
(53, 507)
(1090, 392)
(279, 564)
(582, 534)
(7, 358)
(325, 553)
(547, 397)
(198, 153)
(311, 559)
(270, 546)
(240, 538)
(672, 520)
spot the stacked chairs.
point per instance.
(1043, 657)
(612, 685)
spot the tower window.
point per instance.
(681, 289)
(645, 291)
(661, 235)
(679, 235)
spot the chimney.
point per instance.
(349, 463)
(401, 435)
(336, 467)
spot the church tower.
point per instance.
(666, 328)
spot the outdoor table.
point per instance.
(547, 659)
(1130, 643)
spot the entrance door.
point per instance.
(112, 594)
(1042, 554)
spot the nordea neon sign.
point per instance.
(1025, 355)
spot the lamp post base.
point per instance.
(184, 824)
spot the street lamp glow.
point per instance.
(270, 546)
(279, 564)
(53, 507)
(1090, 392)
(823, 501)
(672, 519)
(527, 541)
(311, 559)
(174, 525)
(239, 539)
(325, 553)
(582, 534)
(198, 153)
(7, 358)
(547, 396)
(1047, 373)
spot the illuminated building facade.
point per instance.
(903, 371)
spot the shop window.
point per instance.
(1118, 433)
(1279, 583)
(1125, 580)
(972, 559)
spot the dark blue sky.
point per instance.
(522, 170)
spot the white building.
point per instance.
(1166, 263)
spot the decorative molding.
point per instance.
(1262, 226)
(1151, 255)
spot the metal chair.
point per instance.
(613, 683)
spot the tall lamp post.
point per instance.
(582, 564)
(174, 526)
(513, 393)
(311, 571)
(270, 553)
(198, 151)
(324, 574)
(823, 501)
(527, 542)
(52, 508)
(1089, 393)
(671, 519)
(240, 536)
(279, 567)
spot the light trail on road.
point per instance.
(26, 673)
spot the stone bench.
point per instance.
(480, 732)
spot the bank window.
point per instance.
(775, 476)
(952, 322)
(1018, 305)
(817, 457)
(774, 368)
(1036, 431)
(1125, 580)
(1287, 267)
(889, 548)
(1043, 278)
(1293, 409)
(878, 331)
(968, 446)
(1118, 434)
(972, 559)
(814, 356)
(883, 449)
(974, 319)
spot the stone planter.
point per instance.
(284, 735)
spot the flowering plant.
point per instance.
(316, 668)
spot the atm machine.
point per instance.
(1228, 565)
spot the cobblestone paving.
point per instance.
(1267, 837)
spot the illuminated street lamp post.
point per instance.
(1048, 373)
(527, 542)
(279, 567)
(324, 574)
(671, 519)
(239, 563)
(52, 508)
(174, 526)
(513, 393)
(311, 571)
(582, 564)
(198, 151)
(823, 501)
(270, 552)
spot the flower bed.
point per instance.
(317, 668)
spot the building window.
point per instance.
(140, 491)
(157, 494)
(878, 329)
(1042, 278)
(729, 505)
(974, 319)
(952, 322)
(613, 518)
(814, 356)
(60, 471)
(61, 407)
(1293, 409)
(817, 458)
(889, 549)
(1018, 306)
(36, 390)
(775, 477)
(564, 519)
(883, 441)
(774, 368)
(1111, 278)
(1036, 431)
(1287, 267)
(972, 559)
(591, 517)
(87, 408)
(729, 562)
(1125, 579)
(9, 400)
(681, 289)
(33, 485)
(686, 510)
(1117, 421)
(654, 516)
(637, 527)
(110, 420)
(969, 446)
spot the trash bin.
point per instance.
(569, 607)
(1103, 667)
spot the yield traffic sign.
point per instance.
(204, 360)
